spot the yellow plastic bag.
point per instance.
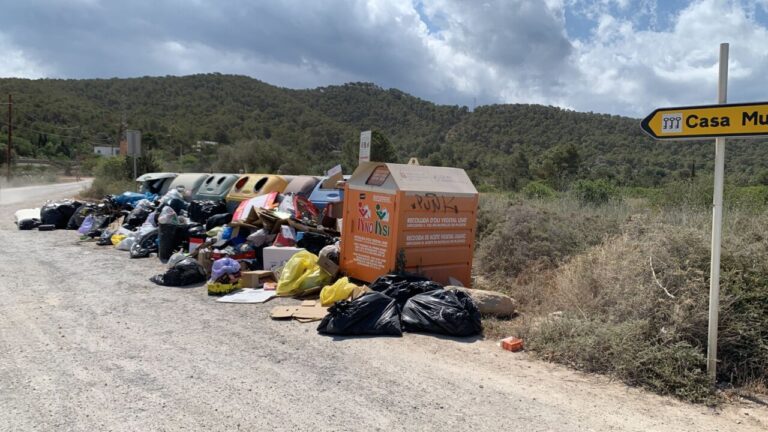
(117, 238)
(341, 290)
(300, 273)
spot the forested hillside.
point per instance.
(262, 127)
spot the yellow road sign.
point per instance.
(708, 121)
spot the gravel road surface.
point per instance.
(87, 343)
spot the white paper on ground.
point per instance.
(248, 295)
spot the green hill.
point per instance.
(263, 127)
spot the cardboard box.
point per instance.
(256, 278)
(329, 266)
(336, 209)
(205, 259)
(275, 256)
(246, 210)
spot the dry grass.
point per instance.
(630, 292)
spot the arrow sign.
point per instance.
(708, 121)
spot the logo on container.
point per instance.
(364, 211)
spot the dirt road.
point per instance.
(88, 343)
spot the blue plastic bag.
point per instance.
(130, 199)
(86, 226)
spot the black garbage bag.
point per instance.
(196, 230)
(402, 291)
(218, 220)
(79, 216)
(137, 216)
(28, 224)
(403, 287)
(186, 272)
(314, 242)
(446, 312)
(100, 222)
(145, 244)
(105, 239)
(57, 213)
(370, 314)
(170, 238)
(383, 282)
(177, 204)
(200, 211)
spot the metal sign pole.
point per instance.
(717, 225)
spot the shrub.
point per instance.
(111, 168)
(538, 189)
(111, 177)
(695, 193)
(628, 350)
(748, 198)
(492, 209)
(594, 192)
(635, 306)
(102, 187)
(526, 235)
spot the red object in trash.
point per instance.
(240, 256)
(194, 243)
(512, 343)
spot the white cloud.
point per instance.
(16, 63)
(625, 70)
(629, 61)
(180, 58)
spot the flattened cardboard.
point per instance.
(283, 312)
(247, 210)
(308, 311)
(247, 295)
(314, 313)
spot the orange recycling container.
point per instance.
(418, 218)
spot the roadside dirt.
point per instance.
(88, 343)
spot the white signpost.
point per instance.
(717, 224)
(133, 137)
(680, 123)
(365, 146)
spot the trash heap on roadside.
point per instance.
(252, 237)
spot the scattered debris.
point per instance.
(512, 343)
(247, 295)
(252, 237)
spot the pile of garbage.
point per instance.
(271, 245)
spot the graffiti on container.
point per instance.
(436, 204)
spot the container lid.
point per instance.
(390, 177)
(155, 176)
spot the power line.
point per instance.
(37, 119)
(41, 132)
(92, 140)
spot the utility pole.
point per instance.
(120, 129)
(10, 136)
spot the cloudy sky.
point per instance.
(612, 56)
